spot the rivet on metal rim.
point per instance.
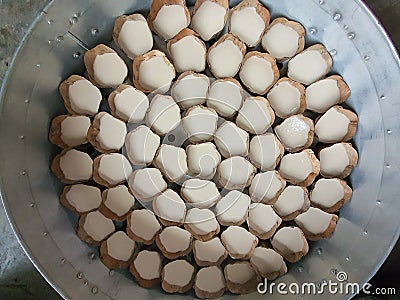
(351, 35)
(79, 275)
(73, 20)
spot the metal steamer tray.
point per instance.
(53, 49)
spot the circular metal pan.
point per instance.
(54, 48)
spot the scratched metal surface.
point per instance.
(18, 279)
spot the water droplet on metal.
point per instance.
(23, 172)
(337, 17)
(313, 30)
(346, 27)
(22, 137)
(79, 275)
(63, 260)
(26, 100)
(85, 283)
(73, 20)
(379, 202)
(59, 39)
(321, 2)
(51, 21)
(333, 52)
(319, 251)
(111, 273)
(94, 290)
(92, 256)
(366, 57)
(76, 55)
(32, 204)
(300, 269)
(94, 32)
(347, 258)
(387, 166)
(37, 65)
(365, 232)
(351, 35)
(334, 271)
(389, 131)
(45, 233)
(383, 97)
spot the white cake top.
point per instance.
(148, 141)
(210, 251)
(163, 115)
(144, 224)
(257, 74)
(148, 264)
(201, 221)
(175, 239)
(147, 183)
(76, 165)
(293, 132)
(189, 54)
(203, 160)
(281, 41)
(120, 246)
(255, 116)
(322, 95)
(239, 272)
(334, 160)
(74, 130)
(266, 261)
(191, 90)
(262, 218)
(97, 226)
(155, 74)
(238, 241)
(83, 197)
(178, 273)
(330, 134)
(296, 167)
(131, 105)
(289, 240)
(119, 200)
(135, 37)
(265, 151)
(232, 208)
(200, 193)
(170, 20)
(200, 123)
(109, 69)
(112, 132)
(284, 98)
(172, 162)
(307, 67)
(314, 220)
(290, 201)
(114, 168)
(225, 59)
(327, 192)
(84, 97)
(247, 25)
(266, 186)
(170, 206)
(210, 279)
(209, 19)
(231, 140)
(225, 97)
(230, 178)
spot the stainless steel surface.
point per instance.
(369, 224)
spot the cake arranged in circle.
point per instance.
(193, 158)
